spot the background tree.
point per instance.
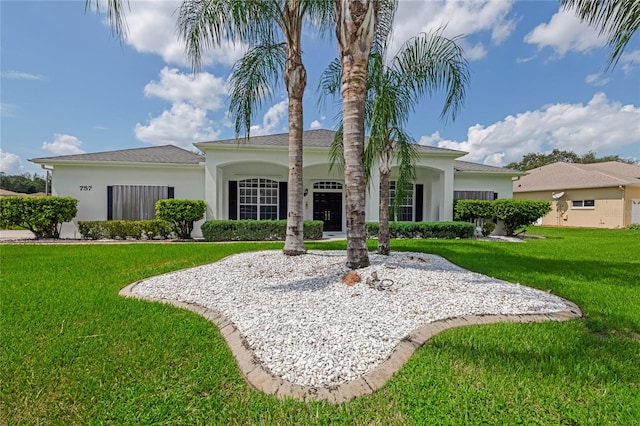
(272, 30)
(394, 87)
(618, 20)
(534, 160)
(24, 184)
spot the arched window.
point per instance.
(327, 185)
(258, 199)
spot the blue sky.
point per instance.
(537, 83)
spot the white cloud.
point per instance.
(630, 61)
(597, 79)
(565, 33)
(460, 18)
(152, 27)
(203, 90)
(10, 163)
(191, 98)
(602, 126)
(315, 124)
(183, 125)
(63, 145)
(272, 120)
(19, 75)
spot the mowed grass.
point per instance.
(74, 352)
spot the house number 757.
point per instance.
(85, 188)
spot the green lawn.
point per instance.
(74, 352)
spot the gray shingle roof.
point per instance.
(167, 154)
(465, 166)
(319, 138)
(560, 176)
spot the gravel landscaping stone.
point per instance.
(307, 327)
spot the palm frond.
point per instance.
(384, 26)
(330, 82)
(617, 20)
(430, 62)
(204, 24)
(115, 15)
(406, 155)
(336, 151)
(253, 81)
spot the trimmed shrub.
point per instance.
(124, 229)
(469, 210)
(446, 230)
(519, 213)
(634, 226)
(256, 230)
(43, 216)
(181, 214)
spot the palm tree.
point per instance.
(618, 20)
(355, 27)
(272, 29)
(394, 88)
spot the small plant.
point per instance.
(634, 227)
(181, 214)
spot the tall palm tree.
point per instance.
(395, 85)
(272, 29)
(355, 27)
(617, 20)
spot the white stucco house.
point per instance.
(248, 180)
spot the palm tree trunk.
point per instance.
(295, 77)
(384, 238)
(355, 24)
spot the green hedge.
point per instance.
(256, 230)
(181, 214)
(468, 210)
(424, 229)
(125, 229)
(43, 216)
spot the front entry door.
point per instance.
(327, 206)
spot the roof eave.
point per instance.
(53, 162)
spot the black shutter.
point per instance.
(282, 200)
(171, 192)
(419, 202)
(233, 200)
(109, 202)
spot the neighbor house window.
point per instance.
(404, 212)
(577, 204)
(258, 199)
(135, 202)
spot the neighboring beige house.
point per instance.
(599, 195)
(248, 180)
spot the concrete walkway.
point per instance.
(259, 378)
(9, 234)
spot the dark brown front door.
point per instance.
(327, 206)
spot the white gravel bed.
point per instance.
(309, 328)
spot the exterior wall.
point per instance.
(609, 211)
(89, 185)
(222, 166)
